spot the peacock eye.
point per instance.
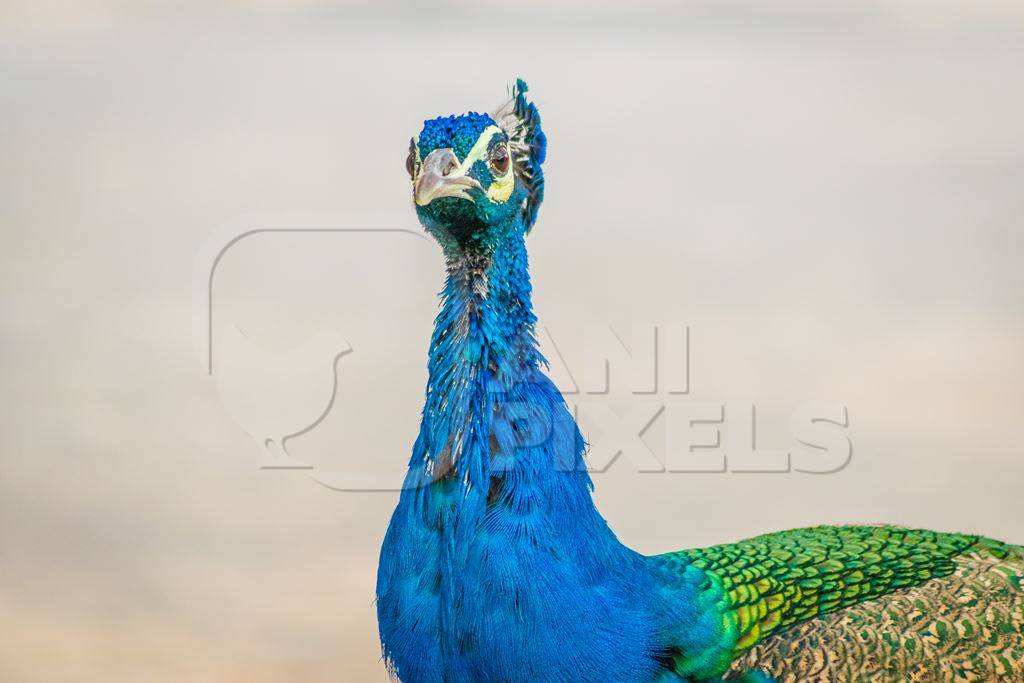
(500, 160)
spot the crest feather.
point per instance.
(520, 120)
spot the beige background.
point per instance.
(828, 194)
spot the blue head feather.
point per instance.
(472, 218)
(515, 128)
(457, 132)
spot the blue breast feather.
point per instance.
(496, 565)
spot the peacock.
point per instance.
(496, 565)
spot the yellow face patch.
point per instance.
(501, 189)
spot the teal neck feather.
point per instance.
(496, 529)
(483, 342)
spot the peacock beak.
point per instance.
(443, 176)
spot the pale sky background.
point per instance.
(828, 194)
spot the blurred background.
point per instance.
(828, 194)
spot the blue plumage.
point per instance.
(457, 132)
(496, 565)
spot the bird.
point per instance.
(497, 566)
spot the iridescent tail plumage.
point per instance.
(968, 626)
(870, 604)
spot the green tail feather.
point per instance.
(778, 581)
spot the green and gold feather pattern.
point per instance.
(870, 603)
(968, 626)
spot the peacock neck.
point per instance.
(483, 342)
(497, 443)
(497, 495)
(486, 314)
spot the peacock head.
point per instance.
(477, 177)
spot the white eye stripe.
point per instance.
(479, 150)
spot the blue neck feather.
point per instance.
(483, 346)
(497, 565)
(496, 442)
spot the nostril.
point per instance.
(449, 167)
